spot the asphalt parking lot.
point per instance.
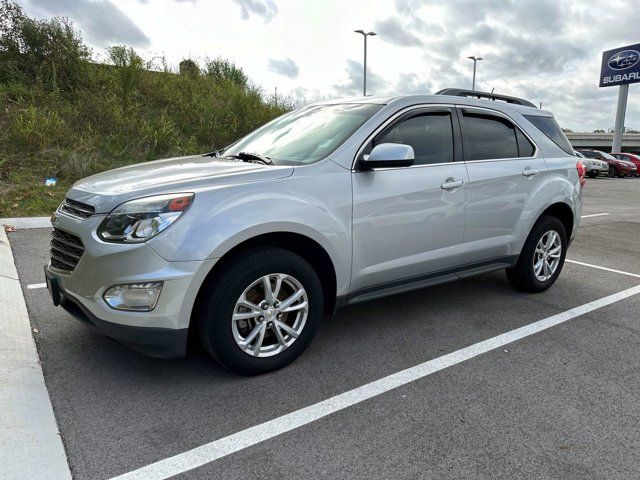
(562, 403)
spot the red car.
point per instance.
(617, 167)
(629, 157)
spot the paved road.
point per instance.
(563, 403)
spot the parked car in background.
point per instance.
(617, 168)
(594, 166)
(629, 157)
(332, 204)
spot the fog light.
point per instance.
(139, 297)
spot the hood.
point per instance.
(628, 163)
(106, 190)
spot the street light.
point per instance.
(475, 60)
(365, 35)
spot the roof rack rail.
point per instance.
(459, 92)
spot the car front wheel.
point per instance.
(612, 171)
(261, 311)
(542, 257)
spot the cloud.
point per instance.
(177, 1)
(353, 85)
(392, 31)
(543, 50)
(266, 9)
(286, 67)
(102, 22)
(411, 83)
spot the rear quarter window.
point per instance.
(551, 129)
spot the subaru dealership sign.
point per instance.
(620, 66)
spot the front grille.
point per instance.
(66, 250)
(77, 209)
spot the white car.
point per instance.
(594, 166)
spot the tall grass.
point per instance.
(63, 116)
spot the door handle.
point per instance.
(530, 172)
(451, 183)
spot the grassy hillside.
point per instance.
(63, 116)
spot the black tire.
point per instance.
(592, 174)
(218, 301)
(522, 275)
(612, 171)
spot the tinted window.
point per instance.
(551, 129)
(430, 135)
(525, 147)
(605, 155)
(589, 154)
(487, 137)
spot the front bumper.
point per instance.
(161, 332)
(149, 341)
(596, 167)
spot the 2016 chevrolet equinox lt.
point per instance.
(331, 204)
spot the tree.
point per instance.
(130, 66)
(188, 67)
(48, 52)
(225, 71)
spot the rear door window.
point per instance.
(525, 147)
(487, 136)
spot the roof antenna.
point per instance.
(493, 89)
(540, 105)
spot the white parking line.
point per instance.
(36, 285)
(594, 215)
(603, 268)
(236, 442)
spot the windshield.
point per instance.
(607, 156)
(305, 135)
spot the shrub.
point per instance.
(47, 52)
(63, 116)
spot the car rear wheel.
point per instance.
(542, 257)
(261, 311)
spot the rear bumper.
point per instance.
(149, 341)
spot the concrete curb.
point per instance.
(27, 222)
(30, 444)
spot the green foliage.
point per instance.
(65, 117)
(46, 52)
(224, 71)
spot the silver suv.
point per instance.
(332, 204)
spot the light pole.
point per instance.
(475, 60)
(365, 35)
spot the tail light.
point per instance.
(582, 173)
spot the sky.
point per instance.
(547, 51)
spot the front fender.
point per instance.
(315, 202)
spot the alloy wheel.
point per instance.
(270, 315)
(546, 257)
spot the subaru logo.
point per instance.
(624, 59)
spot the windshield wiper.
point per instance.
(251, 157)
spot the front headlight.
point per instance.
(138, 220)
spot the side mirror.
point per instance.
(389, 155)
